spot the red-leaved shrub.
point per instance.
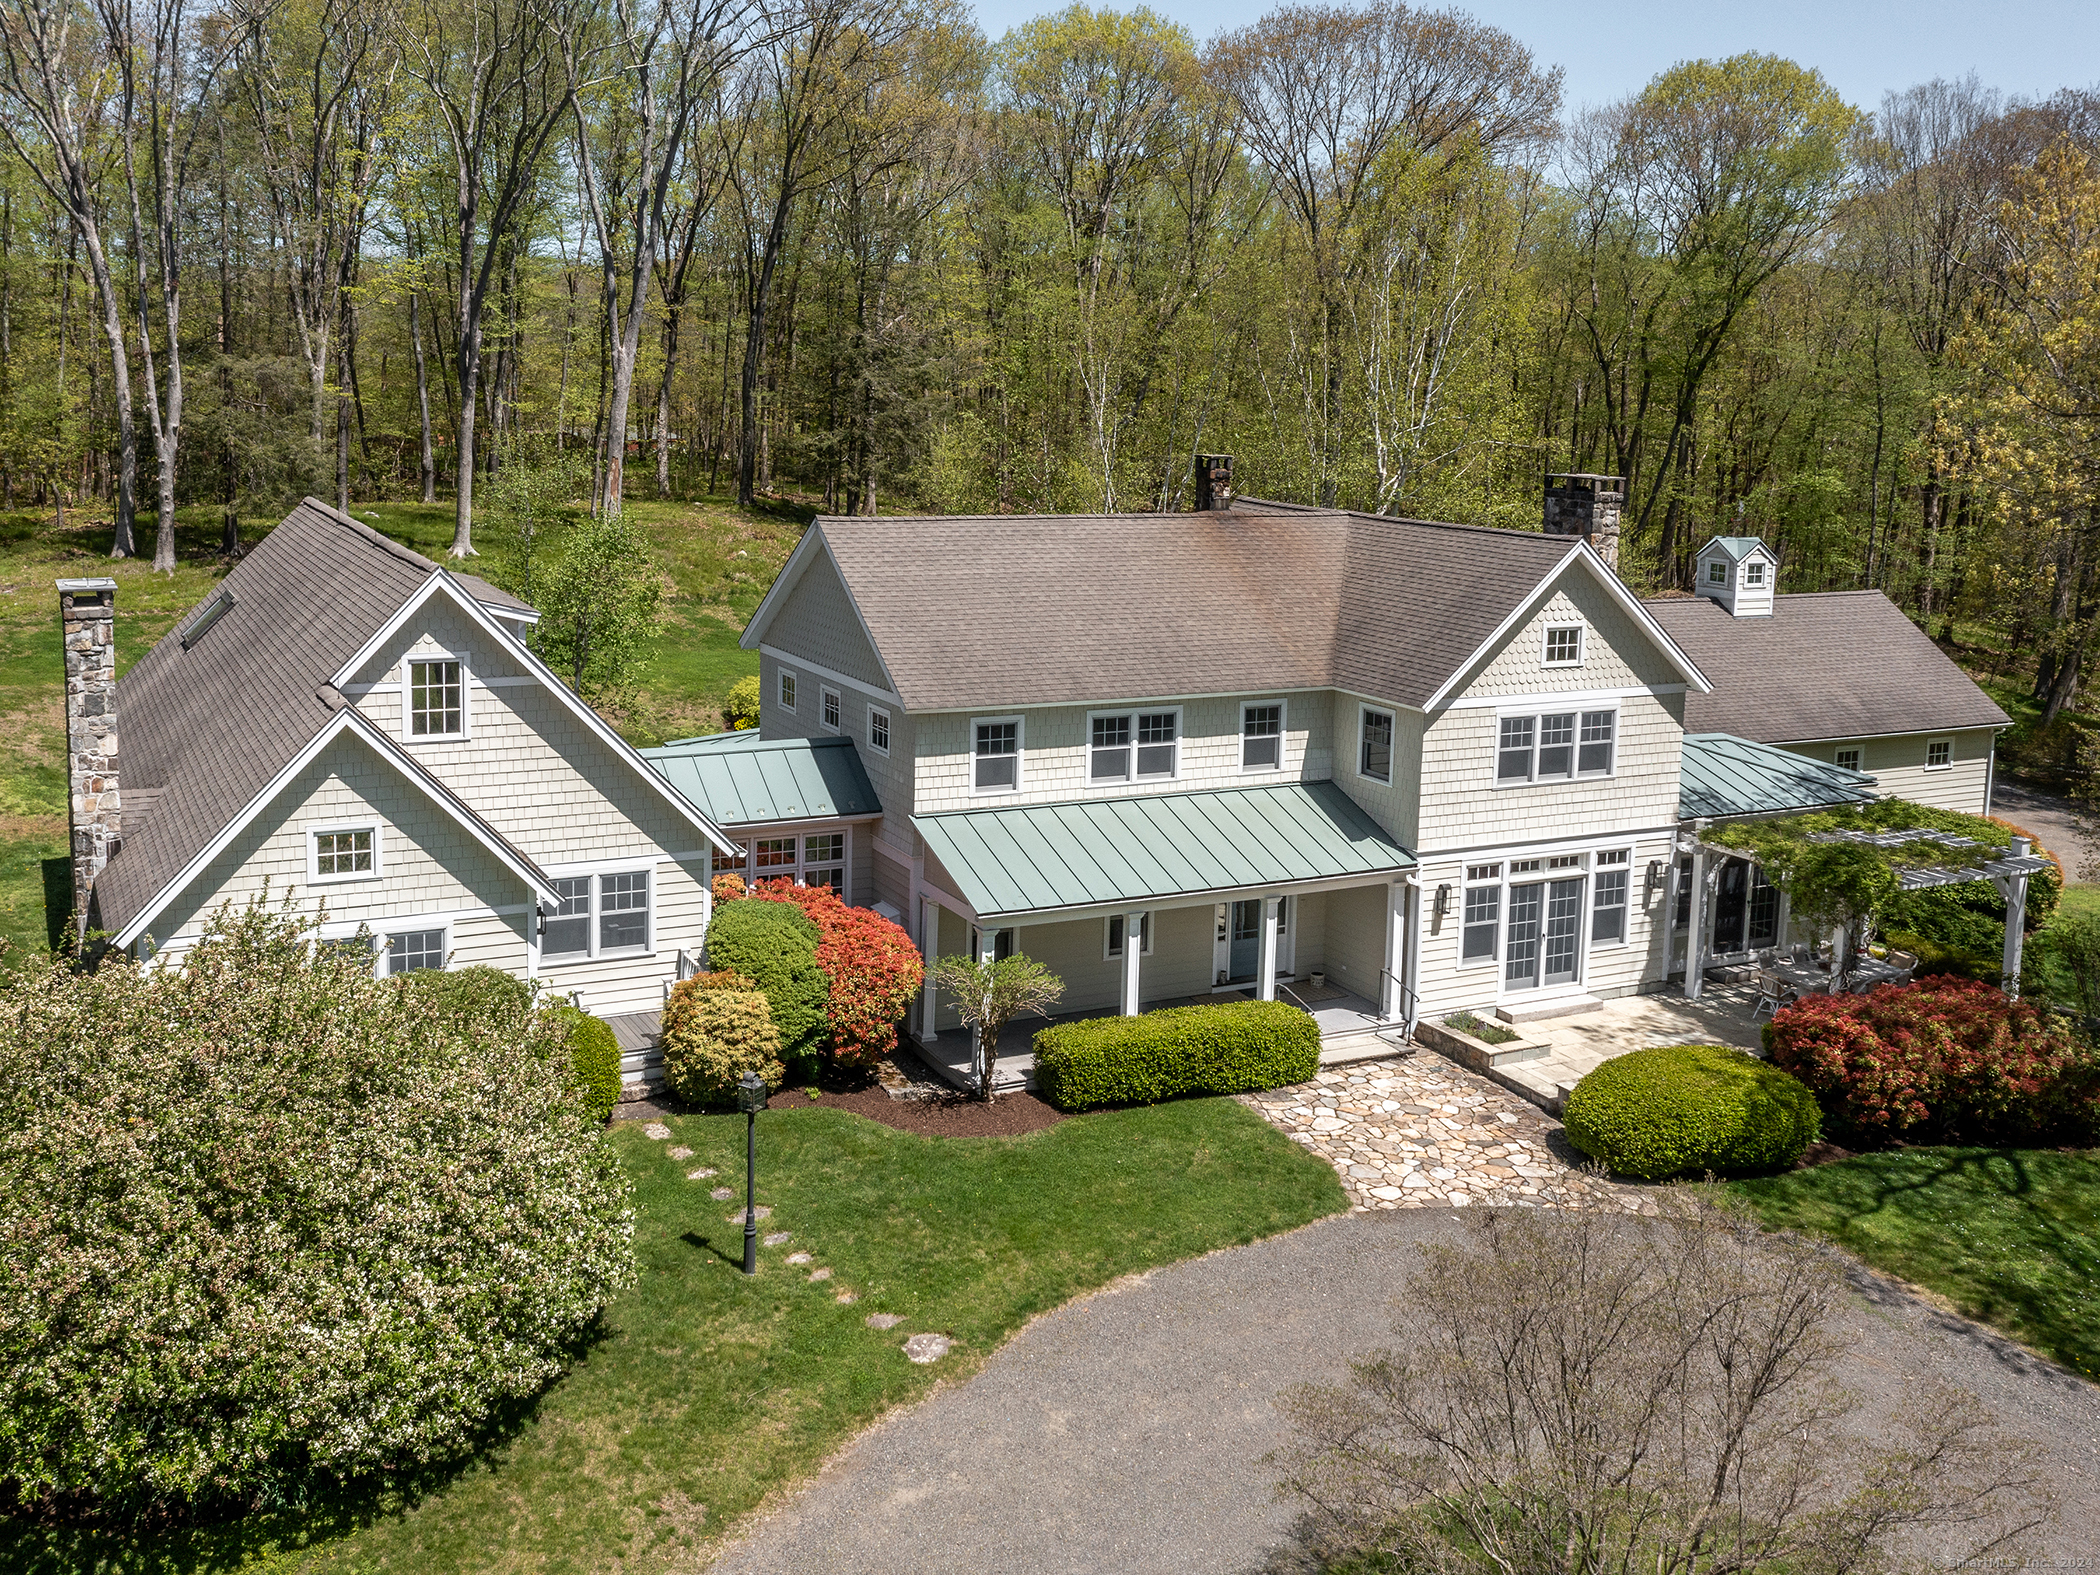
(727, 888)
(873, 968)
(1942, 1060)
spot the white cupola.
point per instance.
(1739, 572)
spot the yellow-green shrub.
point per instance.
(716, 1027)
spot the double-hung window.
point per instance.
(597, 915)
(878, 730)
(998, 756)
(1134, 746)
(411, 951)
(1374, 754)
(437, 699)
(786, 690)
(1717, 572)
(1608, 895)
(348, 853)
(1261, 736)
(1483, 913)
(830, 708)
(1555, 746)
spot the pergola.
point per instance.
(2008, 872)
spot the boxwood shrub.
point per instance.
(594, 1058)
(1227, 1048)
(774, 945)
(297, 1226)
(1688, 1109)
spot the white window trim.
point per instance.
(798, 871)
(1582, 645)
(884, 712)
(387, 928)
(1586, 872)
(1596, 868)
(408, 698)
(1948, 763)
(314, 833)
(785, 682)
(1357, 760)
(1148, 933)
(1510, 784)
(1133, 712)
(829, 698)
(1755, 581)
(1283, 733)
(1859, 764)
(1020, 755)
(1721, 579)
(1500, 886)
(595, 953)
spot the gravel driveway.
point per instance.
(2053, 819)
(1124, 1431)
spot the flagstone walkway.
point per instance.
(1423, 1132)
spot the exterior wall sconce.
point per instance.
(1443, 900)
(1655, 875)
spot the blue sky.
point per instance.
(1864, 47)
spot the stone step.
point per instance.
(1564, 1006)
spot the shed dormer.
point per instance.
(1739, 572)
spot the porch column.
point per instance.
(1695, 930)
(1133, 949)
(2015, 892)
(1265, 970)
(987, 944)
(1399, 902)
(929, 948)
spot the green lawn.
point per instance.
(2009, 1236)
(718, 561)
(710, 1391)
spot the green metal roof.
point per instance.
(1721, 775)
(1738, 547)
(1040, 858)
(740, 779)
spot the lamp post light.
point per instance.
(751, 1099)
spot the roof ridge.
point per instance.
(1505, 532)
(375, 538)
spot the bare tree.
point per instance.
(1589, 1394)
(57, 76)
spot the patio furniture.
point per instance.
(1905, 965)
(1773, 992)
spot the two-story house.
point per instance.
(1407, 767)
(345, 723)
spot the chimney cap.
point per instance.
(98, 583)
(1582, 475)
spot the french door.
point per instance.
(1543, 941)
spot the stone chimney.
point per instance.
(87, 613)
(1213, 483)
(1580, 503)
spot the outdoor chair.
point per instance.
(1773, 993)
(1804, 954)
(1904, 964)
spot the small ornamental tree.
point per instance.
(300, 1226)
(989, 995)
(1941, 1060)
(872, 967)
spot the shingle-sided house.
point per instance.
(346, 721)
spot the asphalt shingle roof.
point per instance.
(740, 779)
(1009, 610)
(204, 730)
(1041, 858)
(1720, 775)
(1833, 664)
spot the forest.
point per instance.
(857, 253)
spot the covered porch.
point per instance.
(1285, 893)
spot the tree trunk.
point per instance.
(429, 458)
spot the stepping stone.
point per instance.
(847, 1298)
(701, 1174)
(819, 1274)
(925, 1348)
(679, 1153)
(798, 1257)
(656, 1130)
(720, 1194)
(761, 1212)
(883, 1320)
(778, 1237)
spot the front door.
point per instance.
(1543, 942)
(1246, 938)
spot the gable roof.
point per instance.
(1739, 547)
(1720, 775)
(1823, 665)
(740, 779)
(1000, 611)
(207, 729)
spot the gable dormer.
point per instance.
(1739, 572)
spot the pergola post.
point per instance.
(1265, 970)
(1695, 938)
(2013, 888)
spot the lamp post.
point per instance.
(751, 1099)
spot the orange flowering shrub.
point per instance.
(871, 965)
(727, 888)
(1942, 1060)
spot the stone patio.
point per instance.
(1578, 1045)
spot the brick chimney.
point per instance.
(1580, 503)
(87, 612)
(1213, 482)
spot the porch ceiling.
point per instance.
(1041, 858)
(1720, 775)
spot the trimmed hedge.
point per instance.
(1690, 1108)
(774, 945)
(1229, 1048)
(595, 1055)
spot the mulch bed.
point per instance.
(956, 1115)
(1821, 1153)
